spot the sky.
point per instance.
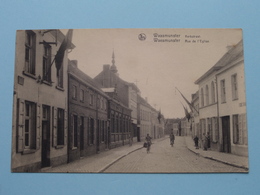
(157, 68)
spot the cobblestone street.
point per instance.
(166, 159)
(162, 159)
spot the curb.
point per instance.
(113, 162)
(217, 160)
(120, 157)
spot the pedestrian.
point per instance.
(172, 138)
(208, 138)
(196, 141)
(148, 140)
(130, 140)
(205, 142)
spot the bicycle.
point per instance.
(148, 147)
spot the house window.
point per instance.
(91, 100)
(212, 92)
(46, 63)
(98, 103)
(202, 97)
(210, 127)
(30, 125)
(234, 87)
(91, 131)
(82, 95)
(60, 77)
(223, 91)
(207, 95)
(236, 133)
(102, 131)
(82, 128)
(30, 45)
(75, 131)
(239, 129)
(112, 123)
(74, 92)
(102, 104)
(105, 105)
(60, 127)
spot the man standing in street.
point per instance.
(172, 138)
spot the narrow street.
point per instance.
(166, 159)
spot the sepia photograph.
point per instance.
(162, 100)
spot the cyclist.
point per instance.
(172, 137)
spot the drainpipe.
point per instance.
(218, 125)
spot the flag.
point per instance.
(191, 107)
(187, 114)
(66, 43)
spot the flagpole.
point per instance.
(187, 101)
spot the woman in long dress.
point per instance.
(205, 142)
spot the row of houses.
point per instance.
(60, 114)
(219, 106)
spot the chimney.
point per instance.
(74, 63)
(146, 99)
(106, 67)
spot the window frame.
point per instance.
(30, 116)
(202, 97)
(75, 131)
(213, 98)
(30, 53)
(82, 95)
(46, 63)
(223, 90)
(234, 87)
(74, 92)
(91, 99)
(236, 132)
(207, 95)
(60, 127)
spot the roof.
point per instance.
(234, 53)
(60, 36)
(121, 80)
(74, 71)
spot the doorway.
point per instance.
(98, 136)
(81, 136)
(226, 134)
(45, 136)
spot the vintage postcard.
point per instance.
(129, 101)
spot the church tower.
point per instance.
(113, 67)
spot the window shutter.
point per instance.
(71, 136)
(234, 129)
(88, 133)
(240, 129)
(244, 128)
(38, 128)
(54, 127)
(235, 136)
(20, 125)
(94, 132)
(78, 131)
(216, 129)
(65, 126)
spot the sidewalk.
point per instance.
(230, 159)
(99, 162)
